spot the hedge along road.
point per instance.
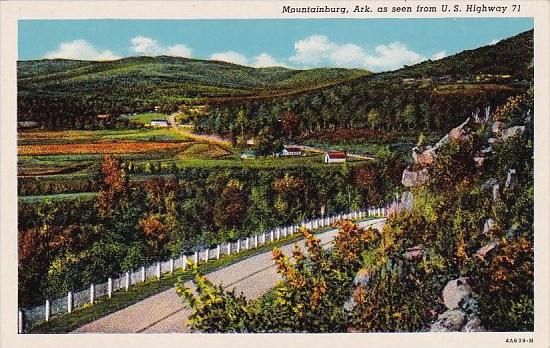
(166, 313)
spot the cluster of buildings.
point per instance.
(289, 151)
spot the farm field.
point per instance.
(97, 136)
(146, 118)
(80, 151)
(63, 196)
(98, 148)
(77, 154)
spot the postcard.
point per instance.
(250, 173)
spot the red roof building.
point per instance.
(335, 157)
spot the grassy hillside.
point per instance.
(68, 94)
(429, 96)
(55, 92)
(512, 56)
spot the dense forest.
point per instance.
(374, 104)
(433, 95)
(66, 244)
(69, 94)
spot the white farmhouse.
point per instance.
(335, 157)
(158, 123)
(291, 151)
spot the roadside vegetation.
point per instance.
(64, 244)
(391, 281)
(121, 299)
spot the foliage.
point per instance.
(80, 90)
(384, 101)
(309, 299)
(373, 282)
(227, 314)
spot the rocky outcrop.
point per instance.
(456, 293)
(479, 161)
(461, 134)
(512, 131)
(497, 127)
(511, 180)
(473, 325)
(452, 320)
(488, 225)
(461, 313)
(488, 184)
(442, 141)
(496, 192)
(407, 200)
(486, 249)
(426, 158)
(361, 280)
(414, 253)
(415, 179)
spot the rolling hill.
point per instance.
(55, 91)
(62, 93)
(431, 96)
(61, 75)
(512, 56)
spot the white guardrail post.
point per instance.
(127, 285)
(20, 321)
(110, 287)
(92, 293)
(47, 310)
(69, 302)
(158, 269)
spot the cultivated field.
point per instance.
(77, 154)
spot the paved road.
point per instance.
(166, 313)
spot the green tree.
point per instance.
(373, 118)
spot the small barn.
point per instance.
(291, 151)
(335, 157)
(158, 123)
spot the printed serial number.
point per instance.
(519, 340)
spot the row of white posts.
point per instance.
(226, 248)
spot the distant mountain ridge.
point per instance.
(55, 92)
(513, 55)
(63, 73)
